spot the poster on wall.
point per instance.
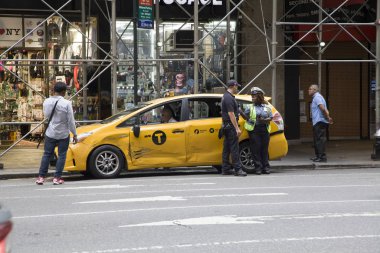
(37, 37)
(10, 32)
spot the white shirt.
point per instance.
(63, 121)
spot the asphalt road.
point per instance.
(289, 211)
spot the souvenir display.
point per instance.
(51, 52)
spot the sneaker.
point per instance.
(320, 160)
(240, 173)
(40, 180)
(58, 180)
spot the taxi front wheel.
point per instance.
(106, 162)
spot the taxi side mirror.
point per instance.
(136, 130)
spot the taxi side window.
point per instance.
(204, 109)
(128, 122)
(151, 117)
(157, 114)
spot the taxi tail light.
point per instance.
(277, 119)
(5, 229)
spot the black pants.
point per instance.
(320, 138)
(259, 140)
(230, 147)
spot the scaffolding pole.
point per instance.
(274, 53)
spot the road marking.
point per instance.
(226, 243)
(190, 190)
(155, 209)
(233, 219)
(148, 199)
(170, 198)
(190, 177)
(115, 186)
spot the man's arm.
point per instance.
(233, 120)
(325, 113)
(71, 122)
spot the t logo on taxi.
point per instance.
(159, 137)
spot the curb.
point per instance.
(27, 175)
(311, 166)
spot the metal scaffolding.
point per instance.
(270, 29)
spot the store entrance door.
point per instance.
(347, 100)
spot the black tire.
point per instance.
(106, 162)
(218, 168)
(245, 157)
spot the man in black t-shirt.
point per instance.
(230, 117)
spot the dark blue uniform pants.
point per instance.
(230, 147)
(259, 140)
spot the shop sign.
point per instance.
(10, 31)
(145, 14)
(37, 38)
(191, 2)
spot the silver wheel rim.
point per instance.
(107, 162)
(245, 157)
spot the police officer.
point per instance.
(258, 127)
(230, 117)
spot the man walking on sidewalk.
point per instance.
(321, 119)
(57, 133)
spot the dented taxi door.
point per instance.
(159, 145)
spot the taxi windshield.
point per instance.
(122, 114)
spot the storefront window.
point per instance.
(177, 72)
(28, 71)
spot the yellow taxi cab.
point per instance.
(144, 137)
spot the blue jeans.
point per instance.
(50, 145)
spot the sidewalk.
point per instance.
(24, 162)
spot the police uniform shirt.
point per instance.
(262, 111)
(229, 104)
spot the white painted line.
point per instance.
(114, 186)
(193, 190)
(196, 246)
(212, 220)
(155, 209)
(191, 177)
(171, 198)
(108, 186)
(148, 199)
(238, 195)
(233, 219)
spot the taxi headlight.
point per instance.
(83, 136)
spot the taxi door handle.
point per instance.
(177, 131)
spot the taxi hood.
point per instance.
(88, 128)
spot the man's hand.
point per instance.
(75, 139)
(238, 132)
(331, 121)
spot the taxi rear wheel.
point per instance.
(106, 162)
(246, 157)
